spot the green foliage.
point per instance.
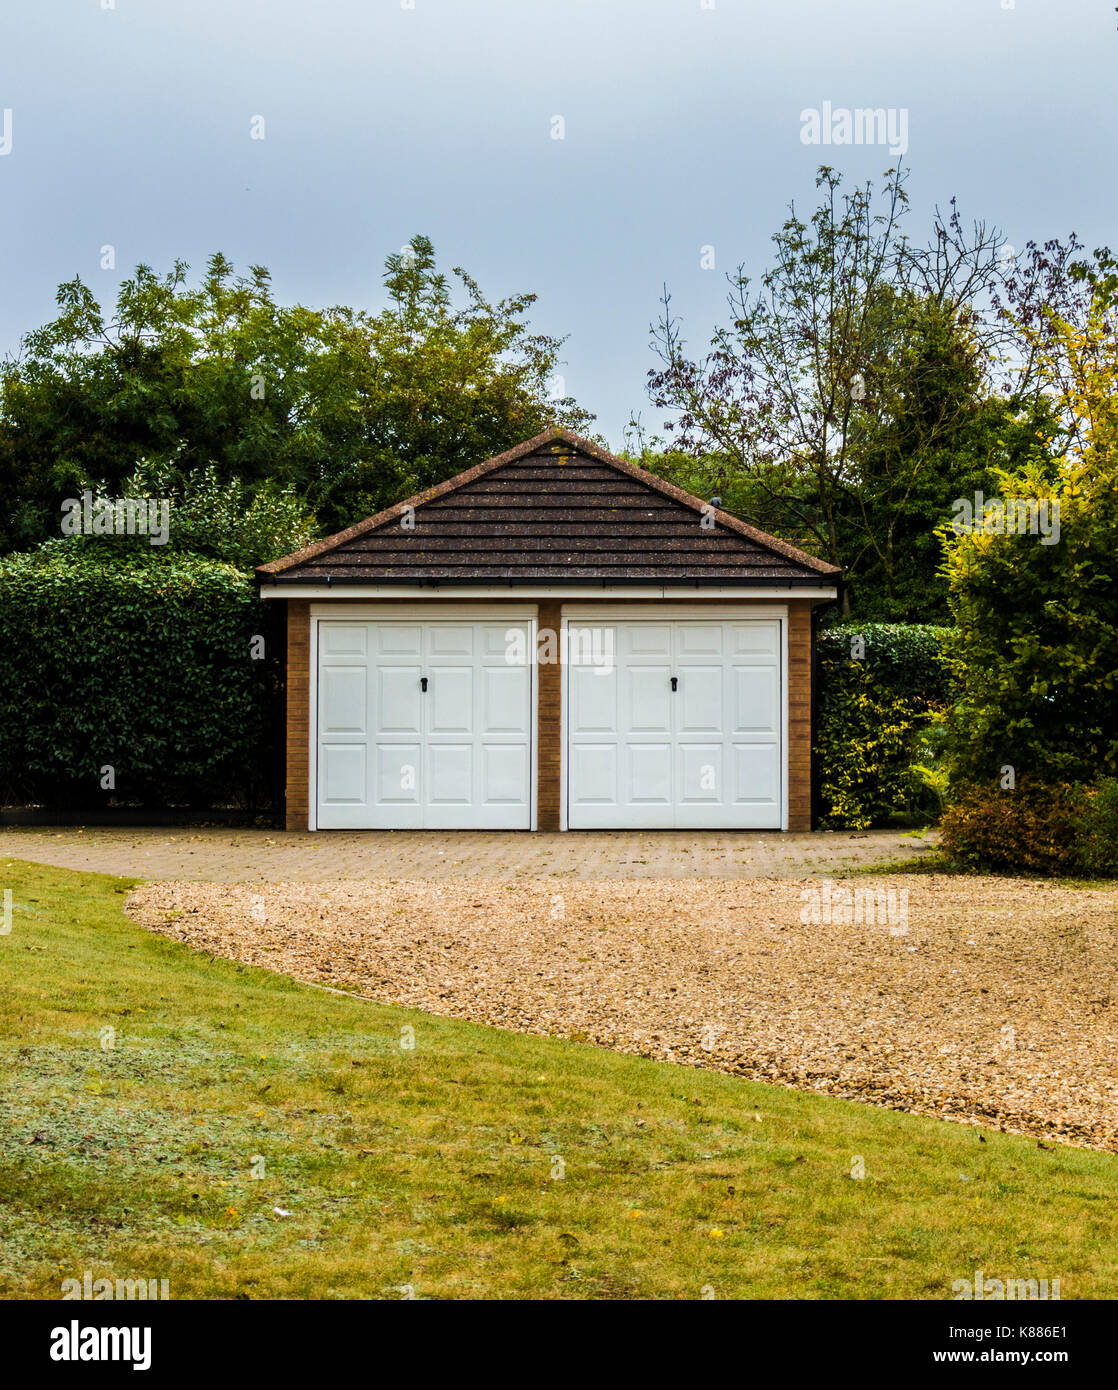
(878, 733)
(892, 556)
(850, 395)
(928, 780)
(1058, 828)
(351, 409)
(1096, 829)
(1035, 654)
(1036, 647)
(209, 517)
(139, 660)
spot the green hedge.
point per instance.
(878, 739)
(139, 660)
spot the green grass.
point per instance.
(433, 1168)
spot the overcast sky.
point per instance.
(130, 126)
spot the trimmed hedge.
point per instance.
(878, 732)
(139, 660)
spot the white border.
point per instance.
(676, 612)
(387, 613)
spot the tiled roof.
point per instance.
(556, 508)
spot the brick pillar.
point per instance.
(799, 714)
(298, 714)
(549, 729)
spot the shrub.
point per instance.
(1024, 830)
(1096, 829)
(1059, 828)
(877, 741)
(141, 661)
(222, 519)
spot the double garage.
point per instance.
(429, 720)
(554, 640)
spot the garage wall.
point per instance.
(298, 804)
(549, 729)
(549, 734)
(799, 714)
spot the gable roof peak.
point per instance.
(555, 435)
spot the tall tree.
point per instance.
(351, 409)
(847, 395)
(1036, 652)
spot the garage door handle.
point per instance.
(675, 682)
(423, 684)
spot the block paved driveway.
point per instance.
(222, 855)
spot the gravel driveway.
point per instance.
(995, 1002)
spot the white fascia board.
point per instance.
(396, 593)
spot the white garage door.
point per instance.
(683, 731)
(423, 726)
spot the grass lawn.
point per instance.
(479, 1163)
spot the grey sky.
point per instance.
(130, 126)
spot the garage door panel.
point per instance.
(450, 774)
(506, 702)
(505, 774)
(756, 700)
(650, 774)
(699, 640)
(393, 756)
(455, 639)
(593, 700)
(450, 696)
(345, 639)
(344, 695)
(645, 640)
(699, 700)
(760, 640)
(398, 772)
(756, 774)
(398, 708)
(507, 643)
(700, 774)
(398, 640)
(343, 774)
(647, 699)
(594, 773)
